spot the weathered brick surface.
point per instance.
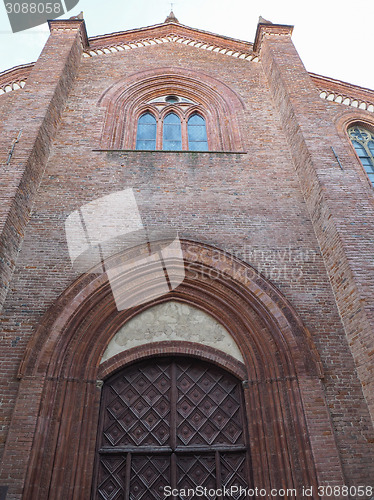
(346, 236)
(257, 206)
(35, 116)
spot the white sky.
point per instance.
(333, 37)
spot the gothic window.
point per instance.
(197, 138)
(171, 123)
(176, 423)
(146, 132)
(172, 133)
(363, 142)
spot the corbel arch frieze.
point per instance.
(219, 105)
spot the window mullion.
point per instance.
(184, 135)
(159, 133)
(370, 155)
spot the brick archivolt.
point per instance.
(271, 338)
(280, 373)
(126, 100)
(70, 342)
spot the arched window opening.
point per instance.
(197, 137)
(146, 133)
(182, 91)
(172, 133)
(171, 423)
(363, 142)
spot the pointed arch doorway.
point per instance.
(171, 424)
(281, 372)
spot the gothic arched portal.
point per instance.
(285, 406)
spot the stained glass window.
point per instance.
(172, 133)
(146, 133)
(197, 138)
(363, 142)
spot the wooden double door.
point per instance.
(171, 424)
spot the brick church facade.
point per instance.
(254, 370)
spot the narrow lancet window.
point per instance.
(172, 133)
(146, 133)
(197, 137)
(363, 142)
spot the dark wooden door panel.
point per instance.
(197, 470)
(234, 472)
(111, 477)
(208, 407)
(149, 476)
(137, 407)
(170, 422)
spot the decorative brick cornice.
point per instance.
(108, 49)
(268, 29)
(170, 29)
(14, 78)
(329, 88)
(170, 32)
(344, 93)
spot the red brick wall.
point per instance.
(339, 201)
(257, 206)
(36, 110)
(36, 114)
